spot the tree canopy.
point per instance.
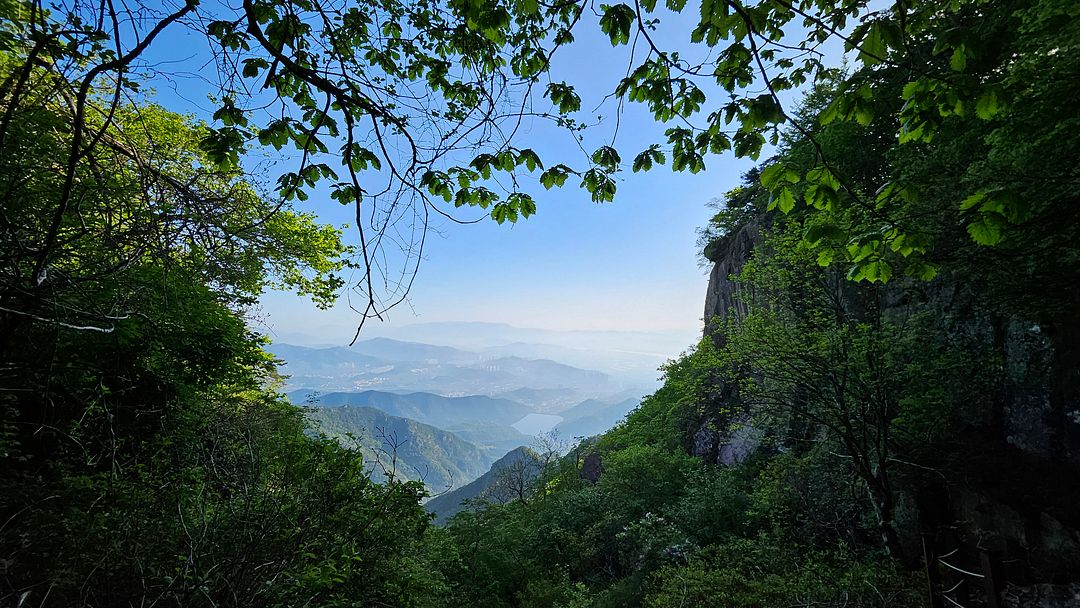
(902, 323)
(407, 109)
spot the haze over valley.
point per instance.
(442, 403)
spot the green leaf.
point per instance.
(645, 160)
(986, 229)
(564, 97)
(877, 271)
(783, 200)
(826, 232)
(987, 105)
(972, 200)
(777, 174)
(825, 257)
(616, 23)
(599, 184)
(554, 177)
(530, 159)
(607, 157)
(924, 271)
(872, 48)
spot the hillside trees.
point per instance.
(147, 460)
(146, 457)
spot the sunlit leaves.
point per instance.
(438, 183)
(783, 199)
(873, 39)
(648, 157)
(685, 155)
(607, 158)
(988, 104)
(992, 213)
(222, 147)
(516, 204)
(564, 97)
(599, 184)
(823, 189)
(616, 23)
(986, 229)
(778, 179)
(555, 176)
(360, 158)
(854, 106)
(778, 173)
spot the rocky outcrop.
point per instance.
(1042, 596)
(591, 468)
(739, 439)
(726, 439)
(728, 254)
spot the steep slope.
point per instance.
(509, 474)
(412, 449)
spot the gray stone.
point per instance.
(1042, 596)
(591, 468)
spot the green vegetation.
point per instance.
(402, 448)
(510, 478)
(894, 369)
(146, 454)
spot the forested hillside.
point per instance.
(403, 448)
(883, 410)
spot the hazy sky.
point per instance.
(627, 265)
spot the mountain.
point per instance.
(592, 417)
(476, 336)
(335, 358)
(385, 364)
(495, 439)
(389, 350)
(636, 368)
(436, 410)
(422, 452)
(547, 400)
(545, 373)
(510, 474)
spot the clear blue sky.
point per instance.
(627, 265)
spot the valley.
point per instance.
(453, 417)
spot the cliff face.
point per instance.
(731, 438)
(1039, 407)
(1003, 487)
(728, 255)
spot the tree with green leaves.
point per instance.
(407, 109)
(146, 456)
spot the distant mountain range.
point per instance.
(436, 410)
(593, 416)
(500, 483)
(483, 421)
(414, 450)
(477, 336)
(445, 414)
(384, 364)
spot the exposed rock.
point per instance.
(704, 442)
(727, 448)
(591, 468)
(743, 440)
(1042, 596)
(729, 255)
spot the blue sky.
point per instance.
(627, 265)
